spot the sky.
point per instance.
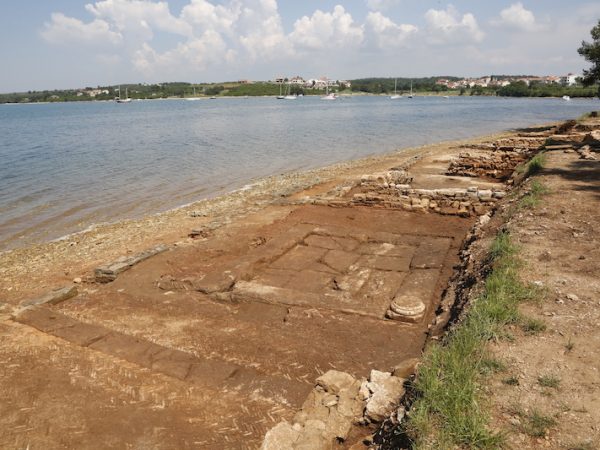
(70, 44)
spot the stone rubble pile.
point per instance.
(585, 143)
(337, 402)
(497, 165)
(391, 177)
(520, 143)
(585, 152)
(456, 201)
(497, 159)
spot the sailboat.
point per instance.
(288, 94)
(411, 92)
(280, 96)
(395, 96)
(191, 99)
(329, 96)
(123, 100)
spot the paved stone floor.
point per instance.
(245, 321)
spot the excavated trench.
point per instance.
(339, 289)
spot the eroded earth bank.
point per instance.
(288, 315)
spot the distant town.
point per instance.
(501, 85)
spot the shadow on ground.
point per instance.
(587, 173)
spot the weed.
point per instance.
(533, 197)
(582, 446)
(511, 381)
(549, 381)
(491, 365)
(535, 165)
(570, 345)
(537, 424)
(533, 326)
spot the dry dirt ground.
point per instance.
(549, 394)
(213, 342)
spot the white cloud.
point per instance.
(199, 52)
(139, 16)
(382, 5)
(205, 15)
(386, 33)
(64, 30)
(449, 27)
(259, 30)
(517, 17)
(327, 30)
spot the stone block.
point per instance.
(335, 381)
(485, 195)
(109, 272)
(386, 391)
(52, 297)
(281, 436)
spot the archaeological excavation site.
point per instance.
(296, 323)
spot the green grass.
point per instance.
(537, 424)
(490, 366)
(533, 197)
(533, 326)
(549, 381)
(450, 409)
(535, 165)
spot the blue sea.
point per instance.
(66, 166)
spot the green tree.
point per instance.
(591, 52)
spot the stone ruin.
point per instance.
(454, 201)
(337, 402)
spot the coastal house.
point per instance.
(569, 80)
(93, 92)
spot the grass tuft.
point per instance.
(535, 165)
(533, 326)
(582, 446)
(450, 409)
(570, 345)
(537, 424)
(549, 381)
(534, 196)
(511, 381)
(490, 366)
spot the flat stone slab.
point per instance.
(109, 272)
(355, 273)
(431, 254)
(52, 297)
(173, 363)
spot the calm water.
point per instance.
(64, 167)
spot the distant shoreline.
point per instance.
(345, 95)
